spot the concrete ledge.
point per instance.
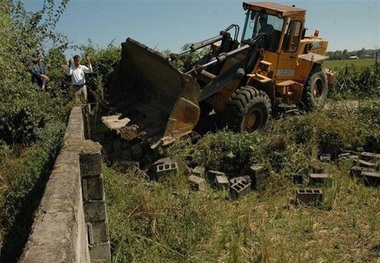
(59, 232)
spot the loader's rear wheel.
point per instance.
(315, 92)
(248, 110)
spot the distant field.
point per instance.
(348, 62)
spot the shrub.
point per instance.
(225, 151)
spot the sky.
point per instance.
(170, 24)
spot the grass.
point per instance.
(168, 222)
(360, 63)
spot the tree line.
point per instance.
(345, 54)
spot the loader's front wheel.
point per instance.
(315, 92)
(248, 110)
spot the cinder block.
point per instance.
(371, 178)
(309, 196)
(101, 252)
(240, 189)
(347, 158)
(320, 179)
(93, 188)
(162, 161)
(344, 155)
(241, 178)
(100, 232)
(357, 170)
(163, 167)
(363, 163)
(198, 171)
(257, 176)
(318, 168)
(94, 211)
(367, 156)
(90, 159)
(181, 164)
(256, 169)
(197, 183)
(221, 182)
(211, 174)
(326, 158)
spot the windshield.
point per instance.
(265, 24)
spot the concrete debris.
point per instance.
(320, 179)
(309, 196)
(366, 169)
(239, 189)
(221, 182)
(197, 183)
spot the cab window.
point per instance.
(266, 25)
(292, 37)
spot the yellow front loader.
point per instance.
(238, 83)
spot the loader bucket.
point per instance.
(160, 101)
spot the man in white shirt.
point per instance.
(78, 81)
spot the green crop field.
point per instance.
(333, 64)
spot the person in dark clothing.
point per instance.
(38, 71)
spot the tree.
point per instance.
(23, 112)
(361, 53)
(345, 54)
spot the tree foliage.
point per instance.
(31, 122)
(23, 111)
(104, 62)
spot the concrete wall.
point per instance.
(63, 230)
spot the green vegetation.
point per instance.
(359, 63)
(356, 83)
(31, 123)
(166, 221)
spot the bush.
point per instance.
(224, 151)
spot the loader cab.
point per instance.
(278, 47)
(263, 28)
(272, 26)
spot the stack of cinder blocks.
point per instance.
(367, 168)
(314, 195)
(94, 202)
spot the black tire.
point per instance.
(248, 110)
(315, 92)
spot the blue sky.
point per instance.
(169, 24)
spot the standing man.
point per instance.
(78, 82)
(38, 71)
